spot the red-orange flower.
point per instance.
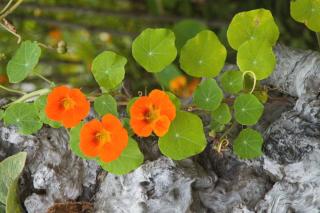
(152, 113)
(67, 106)
(106, 139)
(183, 88)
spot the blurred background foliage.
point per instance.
(89, 27)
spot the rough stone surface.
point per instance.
(285, 179)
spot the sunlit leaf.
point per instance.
(130, 159)
(256, 57)
(24, 116)
(222, 114)
(307, 12)
(252, 25)
(108, 69)
(247, 109)
(10, 170)
(248, 144)
(232, 81)
(175, 100)
(203, 55)
(23, 62)
(13, 201)
(105, 104)
(208, 95)
(40, 104)
(154, 49)
(186, 29)
(185, 137)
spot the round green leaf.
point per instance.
(248, 144)
(232, 81)
(40, 104)
(10, 170)
(74, 141)
(175, 100)
(208, 95)
(130, 159)
(108, 69)
(252, 25)
(164, 77)
(105, 104)
(216, 126)
(24, 116)
(256, 57)
(187, 29)
(307, 12)
(222, 114)
(247, 109)
(23, 62)
(185, 137)
(154, 49)
(203, 55)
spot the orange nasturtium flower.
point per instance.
(67, 106)
(106, 139)
(152, 113)
(183, 88)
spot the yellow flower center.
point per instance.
(68, 103)
(152, 114)
(103, 137)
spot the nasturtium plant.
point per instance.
(130, 159)
(105, 104)
(208, 95)
(1, 114)
(216, 126)
(154, 49)
(108, 69)
(186, 29)
(11, 168)
(247, 109)
(252, 25)
(258, 57)
(232, 81)
(23, 62)
(203, 55)
(74, 140)
(169, 73)
(40, 104)
(307, 12)
(222, 114)
(175, 100)
(23, 115)
(185, 137)
(248, 144)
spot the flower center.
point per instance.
(68, 103)
(103, 136)
(152, 114)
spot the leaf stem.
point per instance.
(11, 9)
(52, 84)
(12, 90)
(6, 7)
(254, 79)
(29, 95)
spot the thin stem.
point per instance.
(6, 7)
(30, 95)
(52, 84)
(11, 31)
(12, 90)
(11, 9)
(254, 79)
(318, 38)
(227, 131)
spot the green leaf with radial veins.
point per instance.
(222, 114)
(247, 109)
(105, 104)
(108, 69)
(40, 104)
(185, 137)
(23, 62)
(252, 25)
(10, 170)
(256, 57)
(248, 144)
(164, 77)
(154, 49)
(232, 81)
(130, 159)
(175, 100)
(307, 12)
(24, 116)
(203, 55)
(208, 95)
(186, 29)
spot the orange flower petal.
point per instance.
(109, 152)
(111, 123)
(139, 107)
(162, 125)
(162, 100)
(120, 138)
(141, 127)
(88, 143)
